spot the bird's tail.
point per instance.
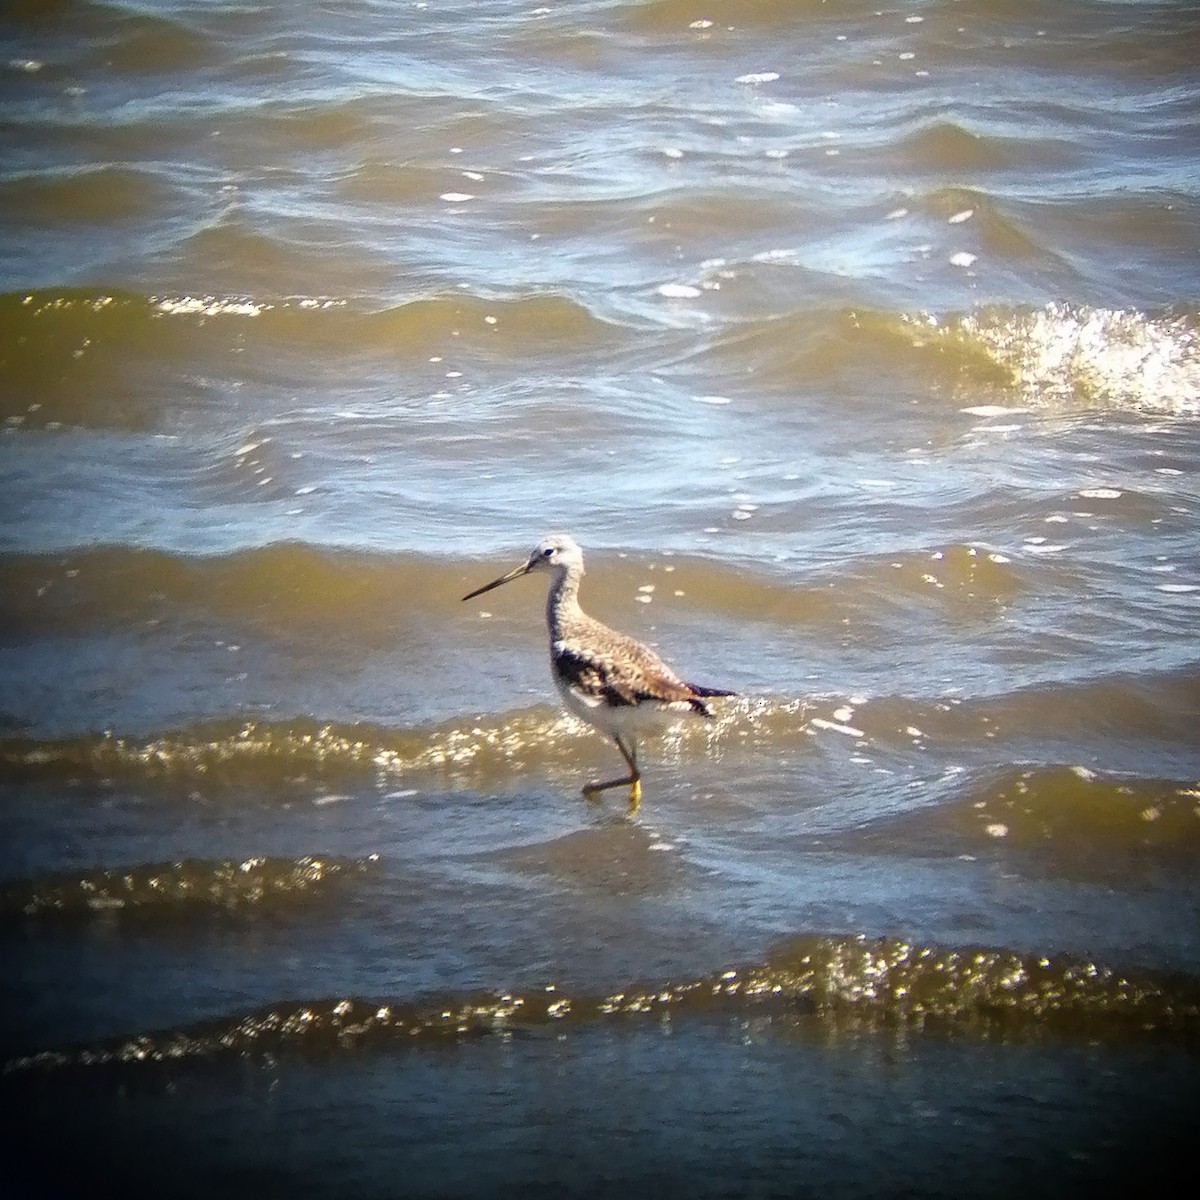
(697, 690)
(699, 694)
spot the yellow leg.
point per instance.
(633, 780)
(591, 790)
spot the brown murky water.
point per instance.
(857, 346)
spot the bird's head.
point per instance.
(557, 551)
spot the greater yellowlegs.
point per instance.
(605, 678)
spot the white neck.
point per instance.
(563, 599)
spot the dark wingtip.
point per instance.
(709, 691)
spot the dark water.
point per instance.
(857, 346)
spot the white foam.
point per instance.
(210, 306)
(1094, 355)
(834, 727)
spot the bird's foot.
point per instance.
(591, 791)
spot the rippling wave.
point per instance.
(1059, 356)
(90, 336)
(1073, 812)
(164, 887)
(1048, 804)
(229, 751)
(1088, 357)
(835, 980)
(116, 584)
(856, 344)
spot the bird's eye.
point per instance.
(549, 550)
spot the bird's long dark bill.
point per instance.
(515, 573)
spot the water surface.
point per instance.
(857, 346)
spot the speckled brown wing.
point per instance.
(624, 673)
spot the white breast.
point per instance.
(618, 718)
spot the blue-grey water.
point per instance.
(857, 345)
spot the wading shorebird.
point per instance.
(605, 678)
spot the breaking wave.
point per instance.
(165, 886)
(833, 980)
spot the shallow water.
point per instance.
(857, 346)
